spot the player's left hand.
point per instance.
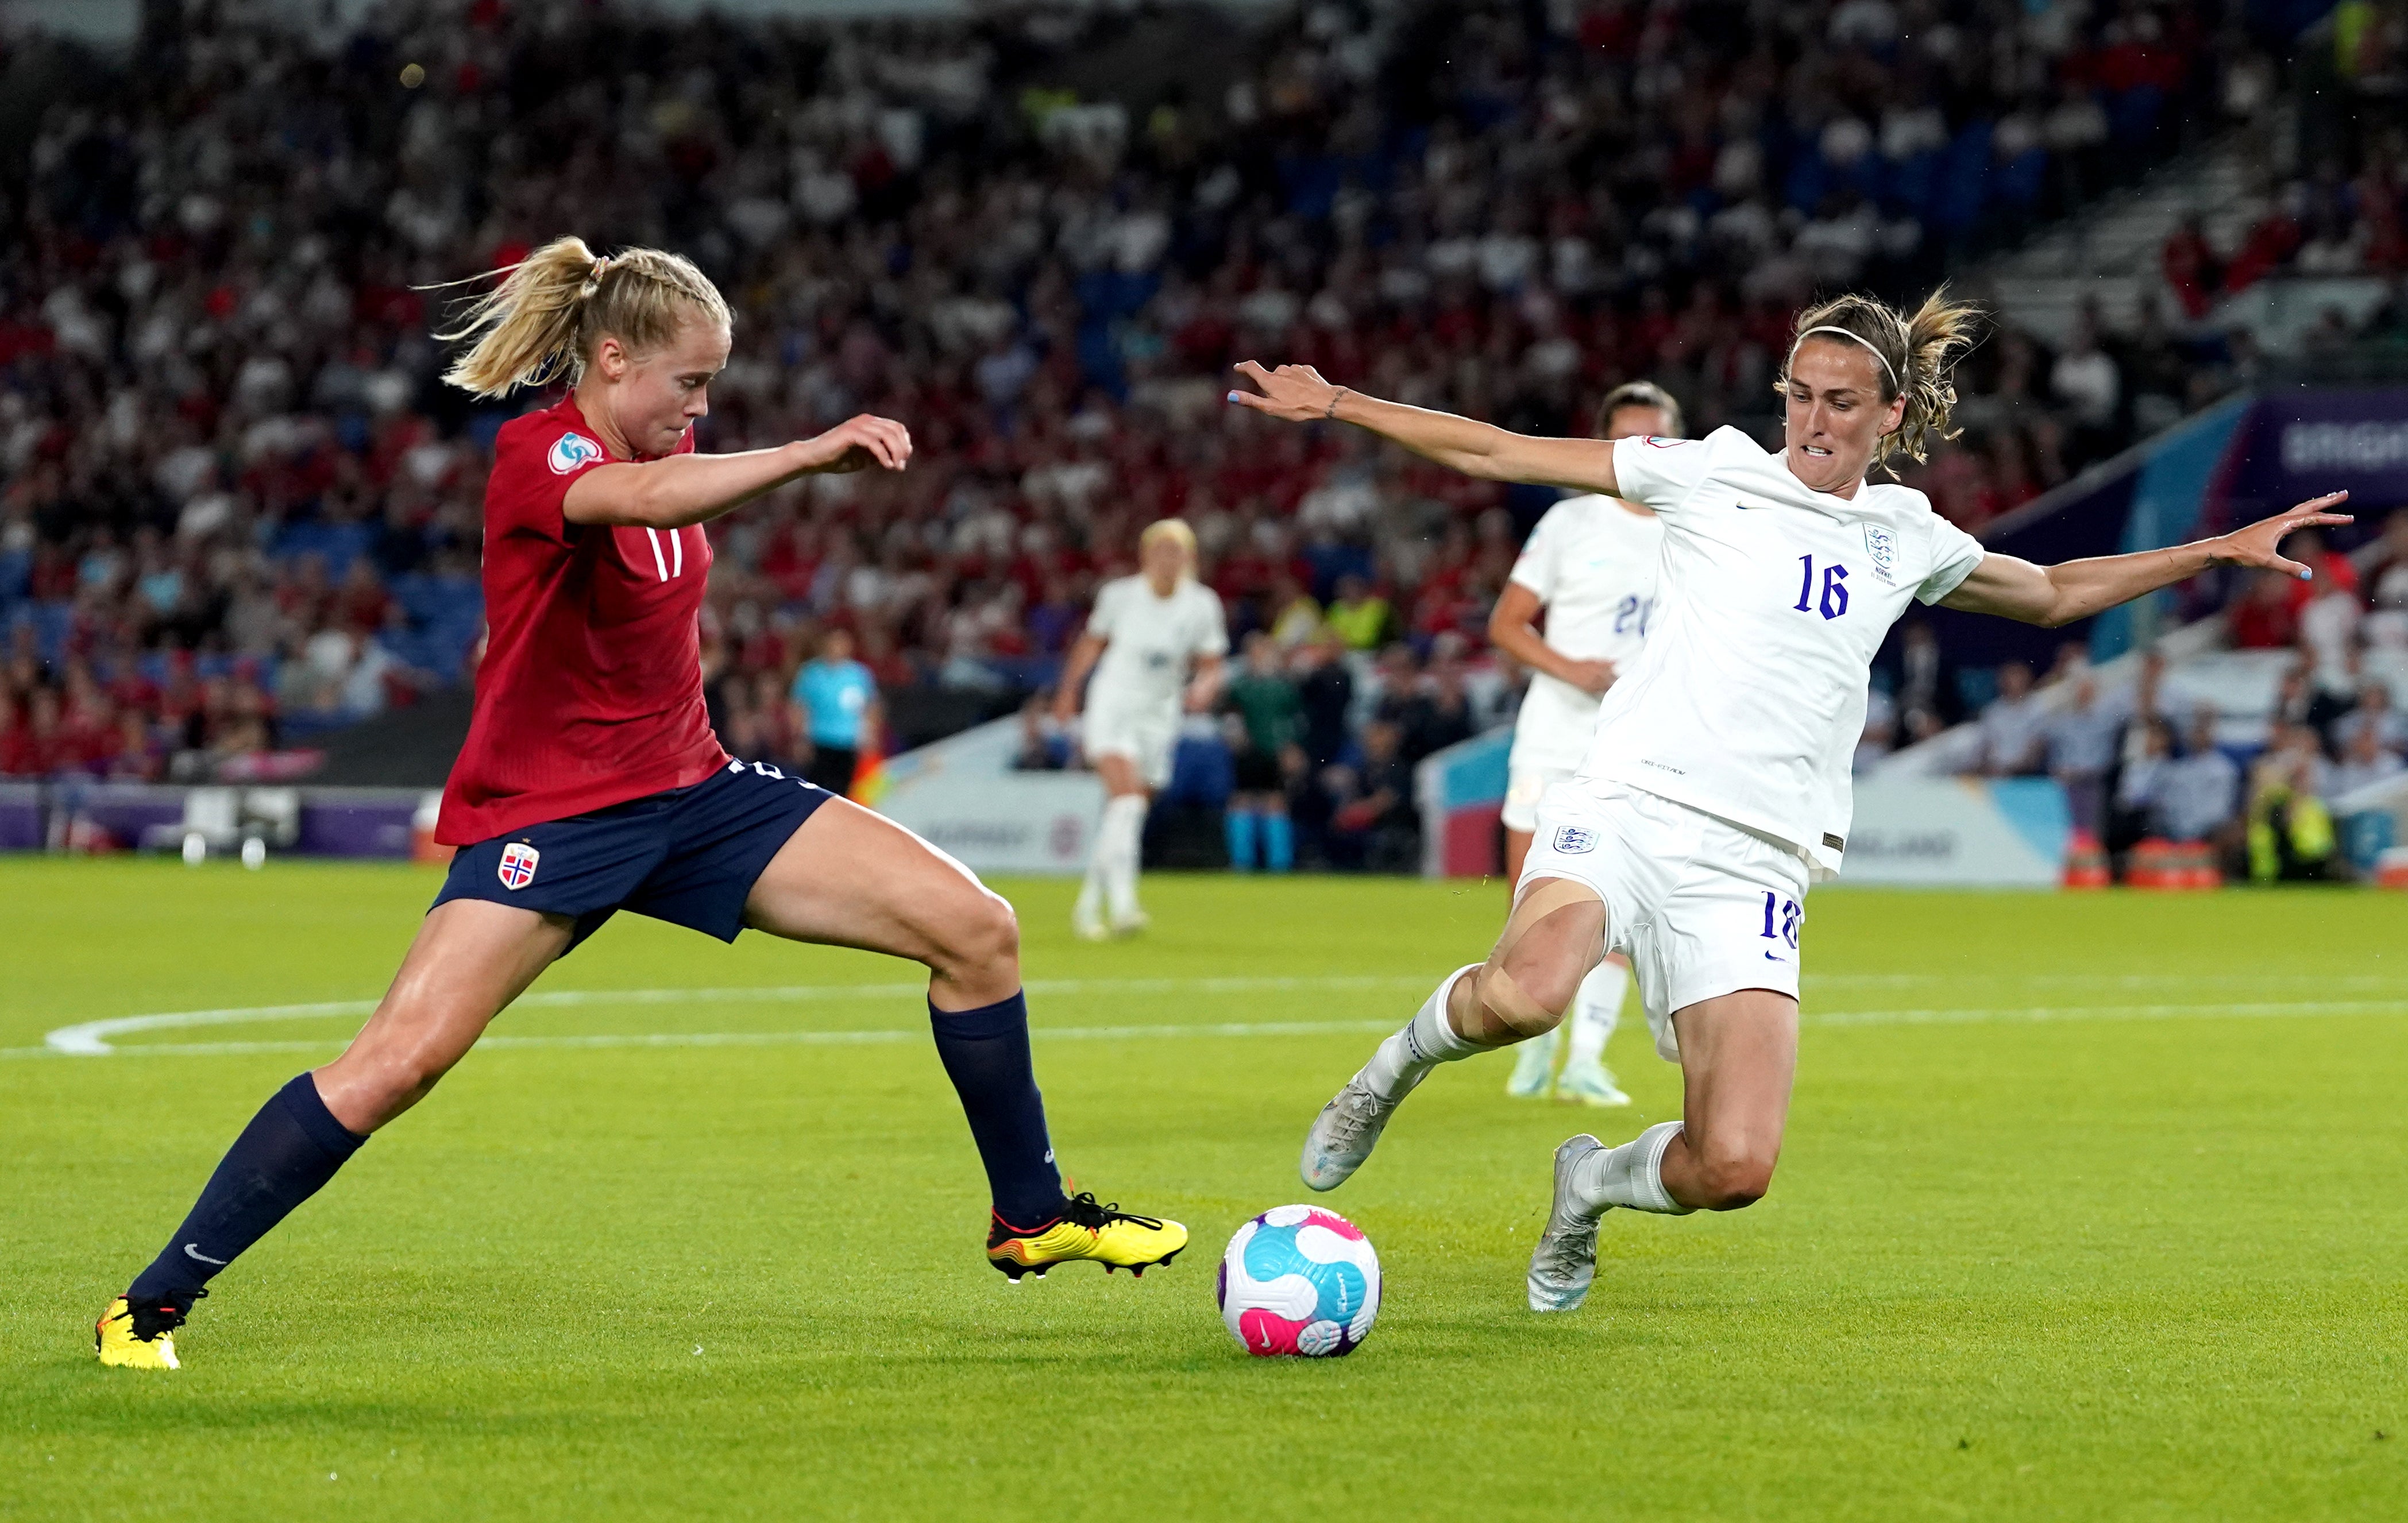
(2260, 543)
(858, 443)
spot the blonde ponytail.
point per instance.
(1918, 355)
(553, 308)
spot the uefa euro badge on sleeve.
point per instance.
(1571, 840)
(1883, 546)
(517, 864)
(570, 452)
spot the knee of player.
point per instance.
(983, 932)
(1735, 1178)
(1515, 1009)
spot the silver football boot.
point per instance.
(1344, 1134)
(1565, 1261)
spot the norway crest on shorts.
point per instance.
(517, 864)
(1882, 546)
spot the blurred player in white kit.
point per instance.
(1590, 566)
(1155, 644)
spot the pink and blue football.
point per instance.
(1299, 1280)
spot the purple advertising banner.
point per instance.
(96, 816)
(354, 825)
(2302, 444)
(21, 817)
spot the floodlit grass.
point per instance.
(2091, 1208)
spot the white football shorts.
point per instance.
(1526, 782)
(1146, 739)
(1701, 906)
(1550, 737)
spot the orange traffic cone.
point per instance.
(2086, 862)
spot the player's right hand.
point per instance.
(858, 443)
(1294, 393)
(1590, 677)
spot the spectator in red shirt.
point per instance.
(2333, 573)
(2264, 618)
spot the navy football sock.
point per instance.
(292, 1148)
(985, 1053)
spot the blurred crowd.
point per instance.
(2341, 211)
(2269, 795)
(1308, 760)
(239, 509)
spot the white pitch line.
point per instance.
(91, 1038)
(763, 1039)
(1836, 1019)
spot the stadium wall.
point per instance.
(962, 794)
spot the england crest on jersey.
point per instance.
(517, 864)
(1571, 840)
(1883, 546)
(570, 452)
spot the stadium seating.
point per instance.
(230, 438)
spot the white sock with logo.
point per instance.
(1121, 843)
(1420, 1044)
(1596, 1009)
(1631, 1175)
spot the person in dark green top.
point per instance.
(1264, 721)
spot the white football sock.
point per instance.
(1596, 1009)
(1631, 1175)
(1121, 843)
(1100, 868)
(1420, 1044)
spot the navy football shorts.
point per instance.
(689, 856)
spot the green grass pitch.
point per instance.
(2092, 1208)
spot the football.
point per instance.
(1299, 1280)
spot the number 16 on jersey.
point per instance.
(1835, 588)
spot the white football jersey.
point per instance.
(1592, 564)
(1149, 642)
(1772, 600)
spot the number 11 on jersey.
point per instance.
(1835, 588)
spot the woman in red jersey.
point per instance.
(591, 781)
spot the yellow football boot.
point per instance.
(135, 1340)
(1113, 1238)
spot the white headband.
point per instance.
(1860, 339)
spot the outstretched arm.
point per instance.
(2058, 596)
(679, 490)
(1298, 394)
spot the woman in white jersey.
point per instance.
(1717, 780)
(1590, 564)
(1151, 639)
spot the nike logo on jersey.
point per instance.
(1744, 506)
(191, 1252)
(1770, 958)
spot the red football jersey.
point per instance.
(591, 689)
